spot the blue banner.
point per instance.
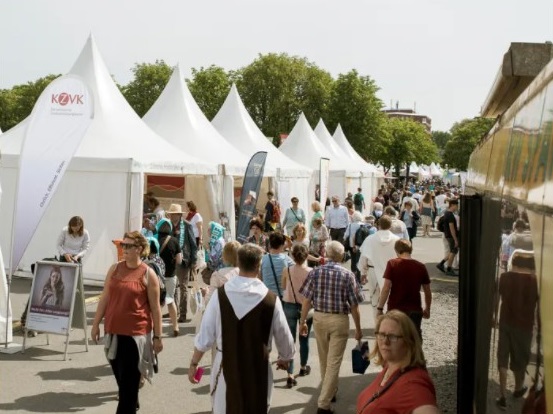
(250, 195)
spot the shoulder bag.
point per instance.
(275, 277)
(310, 313)
(386, 387)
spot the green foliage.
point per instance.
(441, 138)
(149, 81)
(209, 87)
(355, 106)
(409, 141)
(465, 135)
(18, 102)
(276, 88)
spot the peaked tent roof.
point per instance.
(236, 125)
(116, 132)
(303, 146)
(177, 118)
(346, 147)
(326, 139)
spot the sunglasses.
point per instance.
(127, 246)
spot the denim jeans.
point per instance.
(291, 312)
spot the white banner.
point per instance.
(324, 172)
(57, 125)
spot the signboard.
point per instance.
(56, 289)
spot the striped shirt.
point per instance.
(332, 289)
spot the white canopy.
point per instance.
(235, 124)
(346, 147)
(104, 182)
(177, 118)
(436, 171)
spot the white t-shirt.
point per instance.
(194, 221)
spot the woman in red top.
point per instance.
(403, 386)
(130, 305)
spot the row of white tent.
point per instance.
(106, 178)
(424, 172)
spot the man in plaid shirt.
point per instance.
(334, 293)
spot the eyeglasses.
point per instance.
(387, 337)
(294, 201)
(127, 246)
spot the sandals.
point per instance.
(290, 382)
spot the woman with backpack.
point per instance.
(171, 255)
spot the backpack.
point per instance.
(160, 278)
(276, 212)
(441, 224)
(357, 199)
(361, 234)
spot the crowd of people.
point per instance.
(288, 279)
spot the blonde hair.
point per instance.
(415, 355)
(316, 206)
(140, 241)
(230, 253)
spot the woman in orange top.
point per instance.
(403, 385)
(130, 305)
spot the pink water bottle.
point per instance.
(199, 373)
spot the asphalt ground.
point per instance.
(40, 381)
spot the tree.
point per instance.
(409, 141)
(355, 106)
(276, 88)
(465, 135)
(441, 138)
(210, 87)
(149, 81)
(17, 103)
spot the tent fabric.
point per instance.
(104, 182)
(346, 147)
(178, 119)
(235, 124)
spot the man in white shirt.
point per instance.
(337, 219)
(245, 316)
(440, 202)
(376, 250)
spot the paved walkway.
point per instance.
(39, 381)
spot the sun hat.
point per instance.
(174, 209)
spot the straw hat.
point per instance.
(174, 209)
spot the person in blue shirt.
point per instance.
(274, 262)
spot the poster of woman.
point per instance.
(52, 297)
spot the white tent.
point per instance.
(177, 118)
(235, 124)
(303, 146)
(435, 170)
(366, 171)
(104, 182)
(372, 176)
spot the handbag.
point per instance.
(274, 275)
(206, 275)
(200, 259)
(360, 357)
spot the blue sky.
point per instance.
(443, 55)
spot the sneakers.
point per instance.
(441, 267)
(290, 382)
(305, 371)
(501, 403)
(520, 393)
(451, 273)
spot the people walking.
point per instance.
(403, 279)
(293, 215)
(411, 218)
(359, 200)
(186, 271)
(130, 305)
(427, 212)
(334, 293)
(293, 278)
(451, 236)
(242, 318)
(337, 219)
(376, 250)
